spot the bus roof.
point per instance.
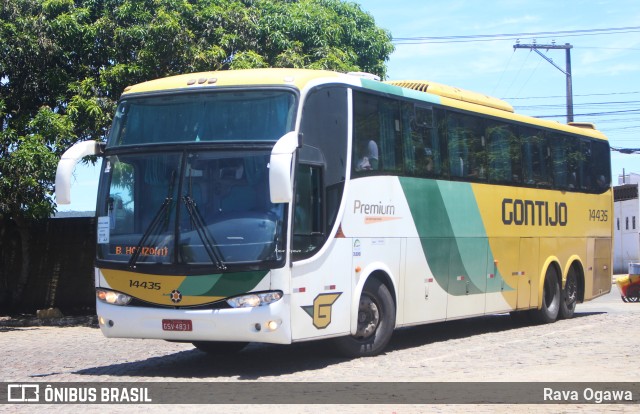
(454, 93)
(477, 102)
(300, 78)
(294, 77)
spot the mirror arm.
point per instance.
(68, 163)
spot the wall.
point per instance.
(61, 273)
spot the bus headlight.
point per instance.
(112, 298)
(254, 299)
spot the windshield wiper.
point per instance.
(208, 241)
(155, 223)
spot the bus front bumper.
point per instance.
(269, 324)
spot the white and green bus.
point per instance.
(285, 205)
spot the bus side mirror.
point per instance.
(67, 164)
(280, 184)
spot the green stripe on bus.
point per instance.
(221, 284)
(451, 232)
(398, 91)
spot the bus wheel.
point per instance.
(376, 321)
(569, 296)
(550, 299)
(633, 293)
(220, 348)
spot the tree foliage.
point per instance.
(64, 63)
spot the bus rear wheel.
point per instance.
(220, 348)
(550, 309)
(569, 296)
(633, 293)
(376, 321)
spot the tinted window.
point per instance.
(204, 117)
(467, 147)
(410, 138)
(376, 134)
(321, 169)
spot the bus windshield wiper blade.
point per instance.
(155, 223)
(208, 241)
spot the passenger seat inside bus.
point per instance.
(236, 195)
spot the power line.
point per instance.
(583, 104)
(616, 121)
(519, 71)
(530, 76)
(503, 71)
(624, 112)
(606, 48)
(509, 36)
(562, 96)
(621, 128)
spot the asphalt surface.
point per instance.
(600, 344)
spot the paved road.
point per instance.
(600, 344)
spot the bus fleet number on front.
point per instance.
(598, 215)
(144, 285)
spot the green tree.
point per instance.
(64, 63)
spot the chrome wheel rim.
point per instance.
(368, 317)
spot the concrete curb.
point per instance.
(30, 320)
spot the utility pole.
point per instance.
(567, 47)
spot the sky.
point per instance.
(463, 50)
(469, 44)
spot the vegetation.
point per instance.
(64, 63)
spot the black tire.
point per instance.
(633, 293)
(376, 322)
(220, 348)
(569, 297)
(550, 309)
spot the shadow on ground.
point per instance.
(266, 360)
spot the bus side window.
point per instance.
(467, 147)
(321, 172)
(389, 132)
(566, 158)
(377, 121)
(421, 140)
(456, 147)
(536, 157)
(599, 167)
(307, 219)
(504, 160)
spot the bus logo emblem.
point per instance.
(320, 311)
(175, 296)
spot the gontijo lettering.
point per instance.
(533, 213)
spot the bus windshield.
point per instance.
(191, 208)
(222, 116)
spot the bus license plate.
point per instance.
(176, 325)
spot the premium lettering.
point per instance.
(533, 213)
(363, 208)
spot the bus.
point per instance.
(288, 205)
